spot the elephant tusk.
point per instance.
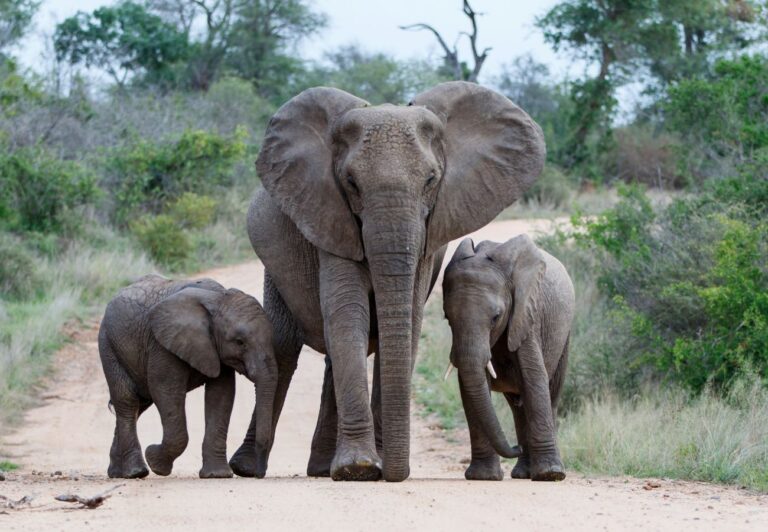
(490, 369)
(448, 371)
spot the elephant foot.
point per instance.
(319, 465)
(131, 467)
(358, 463)
(522, 468)
(547, 469)
(158, 461)
(484, 469)
(248, 462)
(216, 471)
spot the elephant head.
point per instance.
(390, 185)
(487, 291)
(207, 328)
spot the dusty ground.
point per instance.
(63, 445)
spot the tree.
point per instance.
(250, 38)
(375, 77)
(453, 66)
(123, 40)
(601, 32)
(15, 17)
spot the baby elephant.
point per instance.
(510, 308)
(160, 339)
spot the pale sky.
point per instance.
(506, 26)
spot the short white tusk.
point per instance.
(490, 369)
(448, 371)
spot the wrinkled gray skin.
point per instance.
(357, 206)
(511, 303)
(160, 339)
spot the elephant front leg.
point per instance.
(219, 398)
(324, 439)
(545, 462)
(168, 386)
(484, 463)
(344, 290)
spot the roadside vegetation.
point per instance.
(666, 203)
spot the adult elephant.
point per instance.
(357, 205)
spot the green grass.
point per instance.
(5, 465)
(666, 434)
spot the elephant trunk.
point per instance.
(393, 244)
(474, 380)
(264, 376)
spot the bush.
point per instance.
(552, 189)
(163, 239)
(691, 281)
(641, 156)
(18, 269)
(147, 175)
(192, 211)
(40, 191)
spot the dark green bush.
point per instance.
(18, 269)
(163, 239)
(149, 175)
(38, 191)
(692, 280)
(193, 211)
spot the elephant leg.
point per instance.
(287, 341)
(484, 463)
(170, 393)
(125, 457)
(542, 447)
(219, 398)
(324, 439)
(344, 290)
(522, 468)
(376, 403)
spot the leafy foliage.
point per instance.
(38, 191)
(123, 40)
(147, 175)
(163, 238)
(15, 17)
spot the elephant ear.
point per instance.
(525, 265)
(181, 323)
(494, 151)
(296, 168)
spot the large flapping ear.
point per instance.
(526, 265)
(296, 167)
(494, 151)
(181, 323)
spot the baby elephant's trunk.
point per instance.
(265, 381)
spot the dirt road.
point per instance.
(62, 447)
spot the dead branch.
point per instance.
(452, 54)
(26, 500)
(88, 502)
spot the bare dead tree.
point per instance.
(452, 54)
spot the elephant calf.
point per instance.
(160, 339)
(510, 307)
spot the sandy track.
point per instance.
(63, 446)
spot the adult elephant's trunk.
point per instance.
(472, 372)
(394, 239)
(264, 376)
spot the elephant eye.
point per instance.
(430, 180)
(495, 319)
(240, 342)
(352, 183)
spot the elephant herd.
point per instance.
(352, 221)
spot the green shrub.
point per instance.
(146, 176)
(690, 281)
(39, 191)
(553, 188)
(193, 211)
(163, 238)
(18, 269)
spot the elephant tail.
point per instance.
(556, 382)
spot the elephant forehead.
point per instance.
(468, 274)
(389, 119)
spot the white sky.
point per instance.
(506, 26)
